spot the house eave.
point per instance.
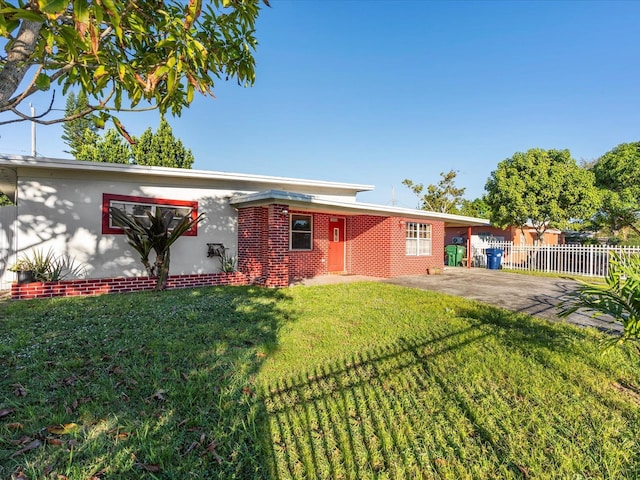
(21, 161)
(317, 204)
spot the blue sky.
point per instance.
(374, 92)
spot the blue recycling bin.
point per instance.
(494, 258)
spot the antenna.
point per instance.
(393, 196)
(33, 130)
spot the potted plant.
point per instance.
(24, 269)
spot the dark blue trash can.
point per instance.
(494, 258)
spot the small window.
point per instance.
(300, 232)
(139, 206)
(418, 240)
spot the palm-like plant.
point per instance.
(157, 235)
(619, 297)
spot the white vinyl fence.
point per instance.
(587, 260)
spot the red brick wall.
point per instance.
(263, 245)
(252, 225)
(98, 286)
(304, 264)
(370, 245)
(277, 274)
(403, 264)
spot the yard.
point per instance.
(354, 381)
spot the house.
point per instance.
(279, 229)
(484, 234)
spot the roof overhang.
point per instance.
(264, 181)
(316, 204)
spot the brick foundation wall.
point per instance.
(99, 286)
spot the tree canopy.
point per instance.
(541, 188)
(160, 148)
(124, 55)
(443, 197)
(74, 130)
(617, 174)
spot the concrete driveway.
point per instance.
(536, 296)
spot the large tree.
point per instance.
(74, 130)
(108, 148)
(443, 197)
(475, 208)
(161, 148)
(156, 54)
(541, 188)
(617, 174)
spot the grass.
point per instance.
(352, 381)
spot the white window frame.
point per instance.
(292, 232)
(419, 239)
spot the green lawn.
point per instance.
(353, 381)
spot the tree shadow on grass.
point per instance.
(399, 411)
(350, 418)
(157, 385)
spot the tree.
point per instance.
(110, 148)
(161, 149)
(443, 197)
(159, 53)
(475, 208)
(158, 148)
(541, 188)
(618, 298)
(617, 174)
(74, 130)
(157, 234)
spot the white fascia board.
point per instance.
(311, 202)
(77, 165)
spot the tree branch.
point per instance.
(17, 62)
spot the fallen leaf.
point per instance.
(261, 354)
(6, 411)
(19, 475)
(191, 447)
(149, 467)
(63, 429)
(19, 390)
(184, 377)
(30, 446)
(54, 441)
(15, 426)
(248, 391)
(523, 470)
(211, 448)
(21, 441)
(47, 470)
(159, 395)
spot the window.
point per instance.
(138, 206)
(418, 240)
(300, 232)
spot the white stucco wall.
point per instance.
(64, 213)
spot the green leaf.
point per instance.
(53, 6)
(81, 11)
(43, 82)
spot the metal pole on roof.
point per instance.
(33, 131)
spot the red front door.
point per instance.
(336, 244)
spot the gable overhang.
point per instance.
(19, 165)
(312, 203)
